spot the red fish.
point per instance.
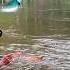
(7, 58)
(33, 58)
(12, 56)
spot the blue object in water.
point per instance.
(12, 6)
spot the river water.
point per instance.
(40, 27)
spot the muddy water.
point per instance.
(40, 27)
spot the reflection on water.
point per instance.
(42, 27)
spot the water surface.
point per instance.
(40, 27)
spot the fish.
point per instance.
(8, 58)
(12, 6)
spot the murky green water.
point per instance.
(42, 27)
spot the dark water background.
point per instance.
(42, 27)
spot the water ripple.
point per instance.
(56, 52)
(59, 52)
